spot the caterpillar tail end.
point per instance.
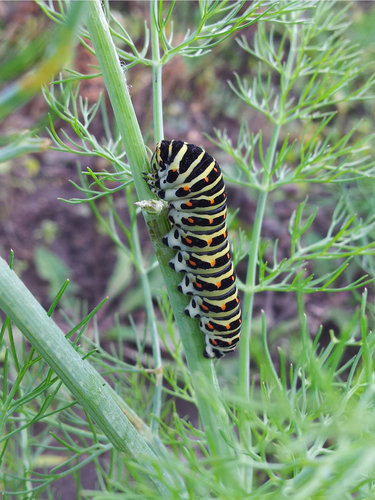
(210, 352)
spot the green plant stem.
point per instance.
(248, 301)
(152, 322)
(25, 448)
(259, 215)
(85, 383)
(157, 96)
(135, 255)
(157, 100)
(255, 240)
(116, 85)
(215, 420)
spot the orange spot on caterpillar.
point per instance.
(209, 241)
(229, 342)
(191, 220)
(192, 263)
(223, 307)
(189, 204)
(237, 300)
(232, 278)
(218, 284)
(186, 188)
(204, 307)
(188, 241)
(213, 263)
(211, 221)
(228, 256)
(212, 202)
(215, 169)
(206, 179)
(227, 327)
(209, 326)
(198, 285)
(174, 169)
(240, 321)
(213, 341)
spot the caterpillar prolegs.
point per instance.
(191, 181)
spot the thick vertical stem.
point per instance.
(85, 383)
(211, 409)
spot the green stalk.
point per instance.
(136, 255)
(244, 374)
(157, 96)
(152, 322)
(211, 409)
(116, 85)
(85, 383)
(248, 300)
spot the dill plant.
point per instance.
(306, 429)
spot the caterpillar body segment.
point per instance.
(218, 347)
(195, 240)
(212, 285)
(191, 190)
(201, 222)
(225, 327)
(202, 263)
(214, 307)
(203, 203)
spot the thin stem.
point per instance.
(287, 76)
(248, 301)
(259, 215)
(152, 322)
(25, 448)
(157, 96)
(248, 297)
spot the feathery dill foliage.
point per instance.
(302, 426)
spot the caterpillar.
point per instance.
(191, 181)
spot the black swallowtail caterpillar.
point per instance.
(191, 181)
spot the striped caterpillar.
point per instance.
(191, 181)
